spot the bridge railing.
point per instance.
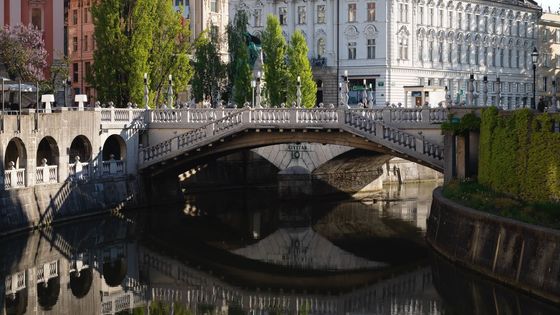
(47, 174)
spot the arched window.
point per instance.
(321, 46)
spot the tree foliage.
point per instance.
(208, 69)
(298, 65)
(23, 53)
(134, 37)
(239, 72)
(275, 69)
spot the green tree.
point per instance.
(275, 70)
(209, 69)
(239, 72)
(298, 65)
(134, 37)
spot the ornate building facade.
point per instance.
(405, 49)
(548, 73)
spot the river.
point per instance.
(246, 251)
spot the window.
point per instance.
(371, 48)
(301, 13)
(75, 17)
(421, 50)
(351, 12)
(509, 27)
(283, 15)
(352, 50)
(469, 22)
(75, 74)
(88, 69)
(257, 17)
(450, 53)
(431, 17)
(476, 22)
(74, 44)
(86, 15)
(517, 58)
(440, 20)
(214, 6)
(450, 19)
(501, 57)
(485, 57)
(86, 43)
(494, 54)
(485, 29)
(440, 52)
(494, 21)
(421, 14)
(459, 54)
(37, 18)
(476, 55)
(544, 83)
(525, 27)
(517, 28)
(509, 58)
(321, 47)
(371, 11)
(502, 27)
(321, 14)
(403, 12)
(468, 53)
(459, 20)
(431, 51)
(403, 48)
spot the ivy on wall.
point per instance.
(462, 126)
(520, 154)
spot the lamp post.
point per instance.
(554, 107)
(258, 90)
(346, 91)
(253, 85)
(340, 93)
(485, 91)
(447, 97)
(534, 58)
(370, 96)
(170, 91)
(498, 92)
(146, 91)
(298, 92)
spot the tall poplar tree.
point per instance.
(275, 69)
(298, 65)
(239, 72)
(134, 37)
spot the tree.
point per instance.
(208, 69)
(23, 52)
(134, 37)
(298, 65)
(275, 70)
(239, 72)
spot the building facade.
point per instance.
(81, 44)
(548, 70)
(211, 15)
(404, 49)
(46, 15)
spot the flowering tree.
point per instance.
(23, 52)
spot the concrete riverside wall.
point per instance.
(409, 172)
(519, 254)
(25, 208)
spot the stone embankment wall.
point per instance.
(26, 208)
(400, 170)
(519, 254)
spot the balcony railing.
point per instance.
(46, 174)
(14, 178)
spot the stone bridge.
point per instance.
(41, 148)
(179, 137)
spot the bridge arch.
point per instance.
(48, 151)
(115, 146)
(48, 292)
(81, 147)
(80, 282)
(16, 153)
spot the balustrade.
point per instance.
(47, 174)
(78, 170)
(14, 178)
(113, 168)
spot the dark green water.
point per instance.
(249, 252)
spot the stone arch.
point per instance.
(16, 153)
(450, 36)
(459, 6)
(459, 37)
(48, 292)
(115, 146)
(450, 5)
(431, 34)
(114, 271)
(351, 32)
(370, 31)
(80, 146)
(421, 32)
(80, 282)
(47, 150)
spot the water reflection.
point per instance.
(168, 262)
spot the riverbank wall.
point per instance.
(42, 205)
(522, 255)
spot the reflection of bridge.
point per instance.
(40, 148)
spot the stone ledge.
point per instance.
(521, 255)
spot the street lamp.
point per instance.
(345, 92)
(498, 92)
(485, 91)
(253, 85)
(146, 91)
(258, 91)
(554, 107)
(170, 91)
(298, 92)
(534, 58)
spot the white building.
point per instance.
(417, 46)
(211, 15)
(548, 71)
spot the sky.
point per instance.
(553, 4)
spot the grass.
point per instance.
(476, 196)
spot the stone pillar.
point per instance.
(449, 157)
(473, 142)
(461, 156)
